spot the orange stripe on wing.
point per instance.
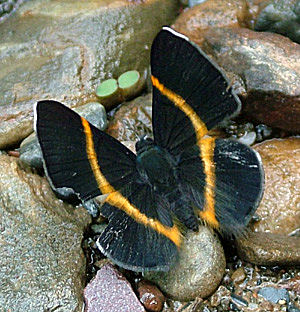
(117, 200)
(206, 147)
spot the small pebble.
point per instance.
(150, 296)
(248, 138)
(238, 275)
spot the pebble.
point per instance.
(150, 296)
(274, 295)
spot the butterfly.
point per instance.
(179, 176)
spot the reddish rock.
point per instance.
(265, 70)
(109, 291)
(279, 209)
(150, 296)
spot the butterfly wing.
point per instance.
(140, 239)
(224, 180)
(79, 156)
(141, 234)
(191, 95)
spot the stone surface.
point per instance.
(274, 294)
(150, 296)
(209, 14)
(282, 17)
(42, 266)
(110, 291)
(62, 51)
(132, 119)
(265, 70)
(199, 270)
(279, 210)
(270, 249)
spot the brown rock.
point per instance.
(150, 296)
(238, 275)
(270, 249)
(132, 119)
(110, 291)
(212, 13)
(266, 73)
(279, 209)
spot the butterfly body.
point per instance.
(180, 176)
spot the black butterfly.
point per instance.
(179, 176)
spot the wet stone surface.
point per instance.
(42, 266)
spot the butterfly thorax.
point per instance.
(155, 165)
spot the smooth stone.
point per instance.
(30, 152)
(269, 249)
(282, 17)
(199, 270)
(279, 210)
(265, 73)
(63, 50)
(109, 291)
(42, 263)
(248, 138)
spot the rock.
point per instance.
(63, 50)
(110, 291)
(282, 17)
(238, 275)
(273, 294)
(279, 209)
(132, 119)
(42, 263)
(269, 249)
(150, 296)
(265, 70)
(30, 152)
(199, 270)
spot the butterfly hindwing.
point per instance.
(191, 95)
(224, 180)
(70, 147)
(141, 240)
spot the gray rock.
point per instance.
(62, 51)
(273, 294)
(109, 291)
(282, 17)
(199, 270)
(42, 266)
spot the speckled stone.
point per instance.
(199, 270)
(109, 291)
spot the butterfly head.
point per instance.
(143, 144)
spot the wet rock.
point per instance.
(150, 296)
(269, 249)
(132, 119)
(282, 17)
(42, 263)
(279, 209)
(63, 50)
(265, 71)
(273, 294)
(199, 270)
(30, 152)
(110, 291)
